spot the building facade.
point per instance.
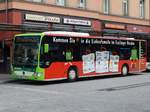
(98, 17)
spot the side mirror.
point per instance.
(46, 48)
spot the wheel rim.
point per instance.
(72, 74)
(124, 70)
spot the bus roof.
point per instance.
(65, 33)
(77, 34)
(85, 35)
(28, 34)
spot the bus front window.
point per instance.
(25, 54)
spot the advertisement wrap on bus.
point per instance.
(70, 55)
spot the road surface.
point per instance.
(103, 94)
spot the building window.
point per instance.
(106, 6)
(60, 2)
(125, 7)
(82, 3)
(35, 1)
(142, 8)
(2, 0)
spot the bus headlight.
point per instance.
(37, 74)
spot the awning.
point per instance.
(138, 35)
(83, 28)
(62, 27)
(23, 27)
(110, 31)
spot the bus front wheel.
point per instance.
(72, 74)
(124, 70)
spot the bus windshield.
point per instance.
(26, 51)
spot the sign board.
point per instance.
(35, 17)
(77, 22)
(138, 29)
(102, 61)
(88, 63)
(115, 26)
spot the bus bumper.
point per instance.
(27, 75)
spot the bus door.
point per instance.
(142, 55)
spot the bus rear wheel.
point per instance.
(72, 74)
(124, 70)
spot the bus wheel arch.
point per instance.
(72, 73)
(125, 69)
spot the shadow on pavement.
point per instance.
(41, 83)
(125, 87)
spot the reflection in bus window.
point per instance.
(69, 54)
(125, 53)
(134, 55)
(25, 54)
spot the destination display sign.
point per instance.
(27, 39)
(72, 40)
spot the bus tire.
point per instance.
(72, 74)
(124, 70)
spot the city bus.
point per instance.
(57, 55)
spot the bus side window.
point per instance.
(69, 54)
(125, 53)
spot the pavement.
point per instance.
(102, 94)
(4, 77)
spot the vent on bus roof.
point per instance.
(66, 33)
